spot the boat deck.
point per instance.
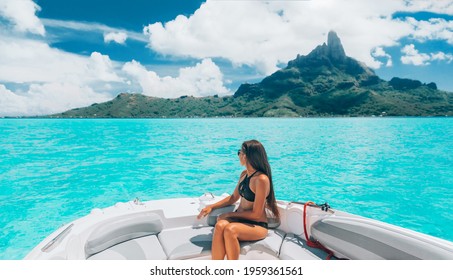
(195, 243)
(169, 229)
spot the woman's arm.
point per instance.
(222, 203)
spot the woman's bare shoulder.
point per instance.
(262, 178)
(261, 182)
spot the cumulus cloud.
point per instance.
(413, 56)
(442, 56)
(26, 60)
(432, 29)
(379, 52)
(101, 68)
(52, 80)
(22, 15)
(56, 80)
(263, 34)
(47, 98)
(11, 103)
(204, 79)
(435, 6)
(118, 37)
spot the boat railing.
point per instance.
(324, 207)
(57, 239)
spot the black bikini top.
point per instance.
(244, 188)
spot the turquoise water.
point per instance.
(398, 170)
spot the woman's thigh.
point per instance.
(246, 232)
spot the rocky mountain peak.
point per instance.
(332, 50)
(335, 49)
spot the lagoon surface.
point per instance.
(52, 171)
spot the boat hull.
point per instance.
(169, 229)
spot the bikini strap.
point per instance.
(253, 174)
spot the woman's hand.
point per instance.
(204, 212)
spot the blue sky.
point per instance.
(130, 16)
(57, 55)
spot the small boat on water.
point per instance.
(168, 229)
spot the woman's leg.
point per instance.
(235, 232)
(218, 244)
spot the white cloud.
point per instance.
(412, 56)
(203, 79)
(263, 34)
(47, 98)
(21, 13)
(435, 6)
(26, 60)
(118, 37)
(102, 69)
(379, 52)
(11, 104)
(56, 80)
(442, 56)
(93, 27)
(432, 29)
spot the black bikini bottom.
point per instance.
(245, 221)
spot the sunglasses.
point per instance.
(239, 152)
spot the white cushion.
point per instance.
(119, 229)
(271, 244)
(185, 243)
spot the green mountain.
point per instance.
(325, 82)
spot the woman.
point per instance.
(249, 221)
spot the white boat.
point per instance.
(168, 229)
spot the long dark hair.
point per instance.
(257, 158)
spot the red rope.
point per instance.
(314, 244)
